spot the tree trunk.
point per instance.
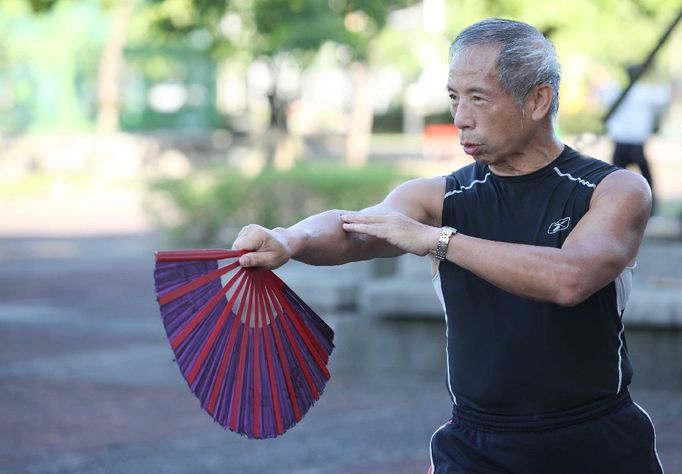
(361, 118)
(110, 69)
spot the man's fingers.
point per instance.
(265, 249)
(254, 259)
(373, 230)
(245, 244)
(372, 218)
(362, 218)
(250, 237)
(248, 260)
(260, 259)
(352, 227)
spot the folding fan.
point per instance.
(250, 349)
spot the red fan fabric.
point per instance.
(250, 349)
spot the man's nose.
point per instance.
(463, 117)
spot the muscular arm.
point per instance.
(605, 240)
(322, 240)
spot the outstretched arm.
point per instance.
(605, 240)
(322, 240)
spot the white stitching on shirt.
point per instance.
(464, 188)
(580, 180)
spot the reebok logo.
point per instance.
(561, 224)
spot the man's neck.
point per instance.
(539, 152)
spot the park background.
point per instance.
(131, 126)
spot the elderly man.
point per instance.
(536, 244)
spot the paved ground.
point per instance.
(89, 385)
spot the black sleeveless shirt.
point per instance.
(514, 356)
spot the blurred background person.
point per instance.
(635, 119)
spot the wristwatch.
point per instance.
(443, 241)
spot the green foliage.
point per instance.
(48, 63)
(209, 200)
(392, 120)
(40, 6)
(575, 124)
(53, 84)
(310, 23)
(195, 23)
(270, 27)
(203, 203)
(192, 68)
(286, 197)
(389, 122)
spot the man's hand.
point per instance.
(395, 228)
(269, 248)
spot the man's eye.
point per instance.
(477, 98)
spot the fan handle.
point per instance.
(193, 255)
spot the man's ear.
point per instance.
(539, 101)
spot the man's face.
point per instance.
(491, 124)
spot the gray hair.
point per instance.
(526, 59)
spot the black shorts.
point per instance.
(613, 436)
(628, 153)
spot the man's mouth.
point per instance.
(471, 148)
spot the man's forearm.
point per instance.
(321, 240)
(540, 273)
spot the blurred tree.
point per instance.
(45, 64)
(110, 59)
(581, 29)
(350, 23)
(110, 67)
(41, 6)
(295, 28)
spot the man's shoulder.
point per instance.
(583, 166)
(630, 190)
(625, 181)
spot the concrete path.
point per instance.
(88, 383)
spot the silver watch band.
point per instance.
(443, 241)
